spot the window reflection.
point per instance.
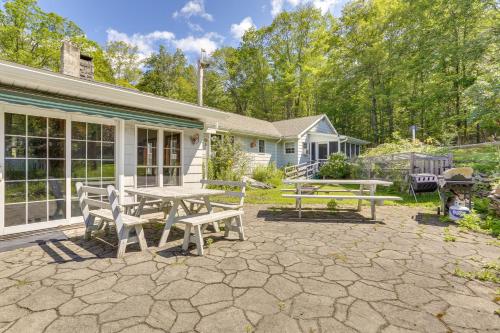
(147, 164)
(34, 152)
(92, 158)
(172, 158)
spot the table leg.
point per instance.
(372, 201)
(169, 222)
(186, 208)
(361, 188)
(298, 190)
(140, 208)
(300, 208)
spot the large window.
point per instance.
(171, 159)
(34, 169)
(289, 147)
(92, 157)
(147, 157)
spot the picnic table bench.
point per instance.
(366, 191)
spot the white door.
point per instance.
(323, 151)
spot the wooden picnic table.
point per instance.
(365, 185)
(176, 195)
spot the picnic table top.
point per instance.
(174, 192)
(338, 181)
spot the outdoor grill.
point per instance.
(423, 183)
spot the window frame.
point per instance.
(160, 151)
(68, 117)
(263, 146)
(292, 148)
(180, 167)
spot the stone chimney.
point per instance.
(74, 63)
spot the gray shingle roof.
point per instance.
(248, 125)
(293, 127)
(245, 125)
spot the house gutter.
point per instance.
(54, 83)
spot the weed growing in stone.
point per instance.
(22, 282)
(209, 241)
(448, 237)
(490, 272)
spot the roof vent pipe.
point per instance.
(202, 64)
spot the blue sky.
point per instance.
(186, 24)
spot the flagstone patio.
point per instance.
(308, 275)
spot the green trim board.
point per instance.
(50, 102)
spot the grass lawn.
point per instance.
(273, 196)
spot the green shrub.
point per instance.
(332, 205)
(336, 167)
(481, 205)
(228, 161)
(474, 222)
(269, 174)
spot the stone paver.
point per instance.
(340, 275)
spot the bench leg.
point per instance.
(89, 223)
(198, 239)
(122, 241)
(139, 230)
(187, 237)
(227, 227)
(241, 231)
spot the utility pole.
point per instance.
(202, 64)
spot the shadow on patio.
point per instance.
(321, 215)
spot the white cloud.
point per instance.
(195, 27)
(323, 5)
(194, 8)
(145, 43)
(239, 29)
(210, 42)
(276, 7)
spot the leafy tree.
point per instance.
(169, 75)
(124, 60)
(33, 37)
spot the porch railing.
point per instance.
(303, 170)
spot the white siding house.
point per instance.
(57, 129)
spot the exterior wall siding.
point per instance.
(322, 127)
(256, 158)
(287, 159)
(192, 155)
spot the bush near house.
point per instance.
(228, 161)
(269, 174)
(336, 167)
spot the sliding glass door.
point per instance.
(92, 157)
(34, 169)
(41, 159)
